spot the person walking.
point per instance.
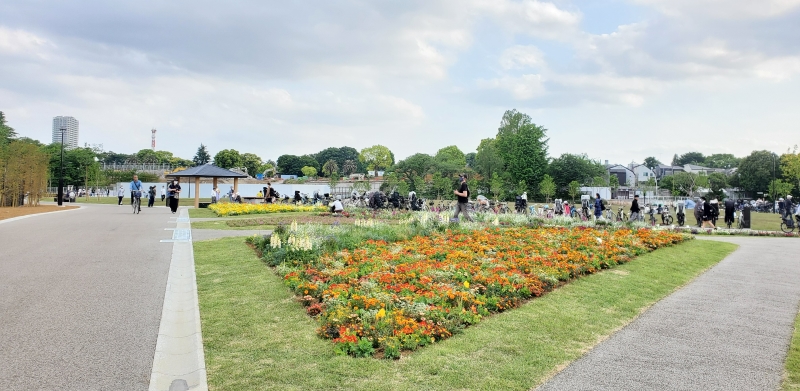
(714, 211)
(707, 211)
(213, 196)
(151, 196)
(163, 193)
(463, 198)
(598, 206)
(698, 212)
(729, 211)
(120, 194)
(635, 208)
(174, 193)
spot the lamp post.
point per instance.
(61, 177)
(773, 190)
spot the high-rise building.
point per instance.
(70, 136)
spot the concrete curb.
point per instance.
(39, 214)
(179, 361)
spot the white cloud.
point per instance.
(524, 87)
(520, 56)
(531, 17)
(724, 9)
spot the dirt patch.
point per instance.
(8, 213)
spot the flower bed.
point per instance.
(736, 232)
(234, 209)
(381, 297)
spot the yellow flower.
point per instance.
(466, 284)
(380, 314)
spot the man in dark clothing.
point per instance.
(463, 198)
(635, 208)
(730, 207)
(707, 211)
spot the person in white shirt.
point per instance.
(213, 196)
(163, 193)
(337, 205)
(120, 194)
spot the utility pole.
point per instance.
(61, 177)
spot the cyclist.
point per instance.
(136, 190)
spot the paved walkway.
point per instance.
(728, 330)
(81, 294)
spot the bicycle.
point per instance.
(788, 225)
(136, 201)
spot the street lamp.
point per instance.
(773, 190)
(61, 177)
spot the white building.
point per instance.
(71, 134)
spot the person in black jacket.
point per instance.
(635, 208)
(730, 206)
(707, 211)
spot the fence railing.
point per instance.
(155, 168)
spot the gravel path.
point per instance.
(727, 330)
(80, 298)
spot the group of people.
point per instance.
(170, 193)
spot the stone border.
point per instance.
(179, 360)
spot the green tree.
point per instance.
(340, 156)
(416, 165)
(309, 171)
(488, 159)
(574, 189)
(685, 183)
(269, 168)
(651, 162)
(228, 158)
(451, 155)
(201, 156)
(330, 168)
(756, 170)
(570, 167)
(696, 158)
(547, 187)
(790, 167)
(350, 166)
(523, 147)
(722, 160)
(376, 157)
(716, 183)
(780, 188)
(252, 163)
(470, 158)
(6, 132)
(497, 186)
(333, 180)
(290, 165)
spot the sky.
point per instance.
(616, 80)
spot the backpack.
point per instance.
(602, 204)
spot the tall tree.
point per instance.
(523, 147)
(790, 167)
(228, 158)
(696, 158)
(202, 156)
(569, 167)
(756, 171)
(330, 168)
(651, 162)
(547, 187)
(488, 159)
(339, 155)
(722, 160)
(252, 163)
(470, 158)
(376, 157)
(350, 166)
(6, 132)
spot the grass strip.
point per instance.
(257, 337)
(791, 378)
(222, 224)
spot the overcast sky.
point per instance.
(618, 80)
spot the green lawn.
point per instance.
(207, 213)
(758, 221)
(258, 337)
(791, 380)
(220, 224)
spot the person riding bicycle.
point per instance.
(136, 187)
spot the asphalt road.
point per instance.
(80, 298)
(729, 329)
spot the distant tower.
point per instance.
(154, 139)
